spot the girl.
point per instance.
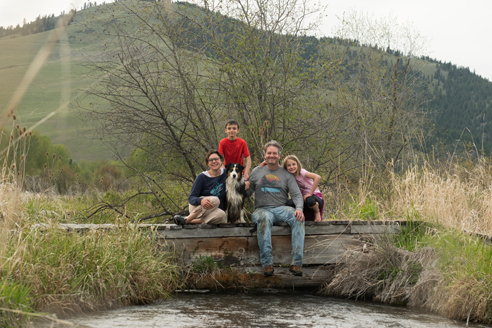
(308, 184)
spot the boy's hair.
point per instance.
(231, 122)
(295, 159)
(273, 143)
(213, 151)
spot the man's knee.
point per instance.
(263, 220)
(259, 215)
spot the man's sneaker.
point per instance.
(268, 271)
(179, 220)
(296, 270)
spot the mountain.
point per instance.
(459, 106)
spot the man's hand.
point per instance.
(246, 176)
(246, 185)
(299, 215)
(206, 204)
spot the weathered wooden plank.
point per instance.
(243, 251)
(246, 230)
(375, 229)
(283, 230)
(252, 277)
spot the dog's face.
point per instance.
(234, 170)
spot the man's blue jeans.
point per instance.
(264, 218)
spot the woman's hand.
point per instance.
(206, 204)
(246, 185)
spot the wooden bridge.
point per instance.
(236, 247)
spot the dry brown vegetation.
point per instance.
(439, 265)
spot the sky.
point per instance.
(457, 32)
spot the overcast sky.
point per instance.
(458, 32)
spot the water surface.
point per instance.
(266, 308)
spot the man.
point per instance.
(272, 185)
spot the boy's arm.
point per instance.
(221, 150)
(247, 168)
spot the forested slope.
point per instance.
(460, 107)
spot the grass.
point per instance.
(93, 271)
(437, 262)
(51, 270)
(14, 296)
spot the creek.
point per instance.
(265, 308)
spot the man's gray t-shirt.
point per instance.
(272, 187)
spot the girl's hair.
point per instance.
(295, 159)
(213, 151)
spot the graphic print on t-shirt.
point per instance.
(270, 183)
(217, 189)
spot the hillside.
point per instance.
(459, 106)
(55, 78)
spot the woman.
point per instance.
(208, 194)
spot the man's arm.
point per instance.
(247, 168)
(295, 193)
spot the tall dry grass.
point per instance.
(456, 196)
(439, 265)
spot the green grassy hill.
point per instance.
(460, 99)
(62, 74)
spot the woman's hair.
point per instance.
(295, 159)
(213, 151)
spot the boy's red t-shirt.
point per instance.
(233, 150)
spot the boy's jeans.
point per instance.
(264, 218)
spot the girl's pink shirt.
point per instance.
(305, 184)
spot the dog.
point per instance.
(235, 191)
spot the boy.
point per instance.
(234, 148)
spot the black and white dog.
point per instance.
(235, 193)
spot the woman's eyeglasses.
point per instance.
(215, 159)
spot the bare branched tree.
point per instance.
(171, 74)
